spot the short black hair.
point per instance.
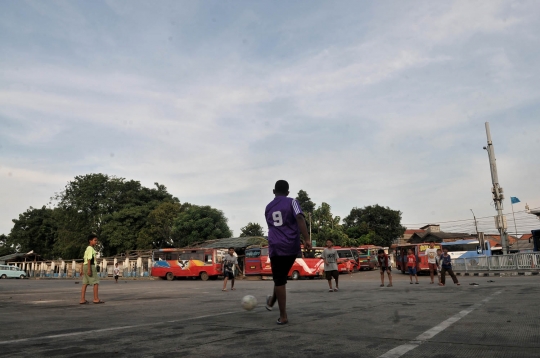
(431, 241)
(92, 237)
(332, 241)
(381, 251)
(231, 248)
(281, 187)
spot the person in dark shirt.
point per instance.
(285, 221)
(446, 266)
(384, 265)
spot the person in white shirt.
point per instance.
(116, 272)
(431, 254)
(230, 262)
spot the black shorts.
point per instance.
(281, 265)
(330, 274)
(389, 269)
(116, 277)
(229, 275)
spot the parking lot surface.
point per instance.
(188, 318)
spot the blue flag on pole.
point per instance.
(514, 200)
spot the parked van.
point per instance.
(10, 271)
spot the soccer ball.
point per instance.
(249, 302)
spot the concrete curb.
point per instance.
(506, 273)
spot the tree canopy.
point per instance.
(374, 224)
(251, 229)
(126, 216)
(305, 202)
(199, 223)
(35, 229)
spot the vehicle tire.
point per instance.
(295, 275)
(163, 277)
(204, 276)
(22, 276)
(169, 276)
(3, 276)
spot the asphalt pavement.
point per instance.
(188, 318)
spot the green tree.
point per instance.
(5, 247)
(198, 224)
(380, 225)
(327, 226)
(158, 232)
(121, 229)
(305, 202)
(252, 229)
(35, 229)
(113, 208)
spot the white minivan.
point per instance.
(10, 271)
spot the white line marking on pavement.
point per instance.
(112, 329)
(430, 333)
(49, 301)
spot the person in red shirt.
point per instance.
(411, 265)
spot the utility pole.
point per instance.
(479, 235)
(475, 223)
(497, 191)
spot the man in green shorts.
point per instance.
(89, 271)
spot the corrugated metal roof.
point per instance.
(236, 242)
(12, 256)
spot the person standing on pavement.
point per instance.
(330, 257)
(89, 271)
(431, 254)
(446, 266)
(229, 263)
(384, 265)
(285, 221)
(438, 258)
(411, 265)
(116, 272)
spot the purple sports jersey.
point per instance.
(283, 233)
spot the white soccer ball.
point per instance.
(249, 302)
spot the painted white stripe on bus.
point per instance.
(432, 332)
(111, 329)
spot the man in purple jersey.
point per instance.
(285, 221)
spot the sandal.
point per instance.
(100, 301)
(281, 323)
(389, 285)
(336, 289)
(268, 306)
(381, 285)
(330, 290)
(84, 303)
(224, 290)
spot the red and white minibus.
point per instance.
(258, 263)
(202, 263)
(308, 264)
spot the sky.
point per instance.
(356, 102)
